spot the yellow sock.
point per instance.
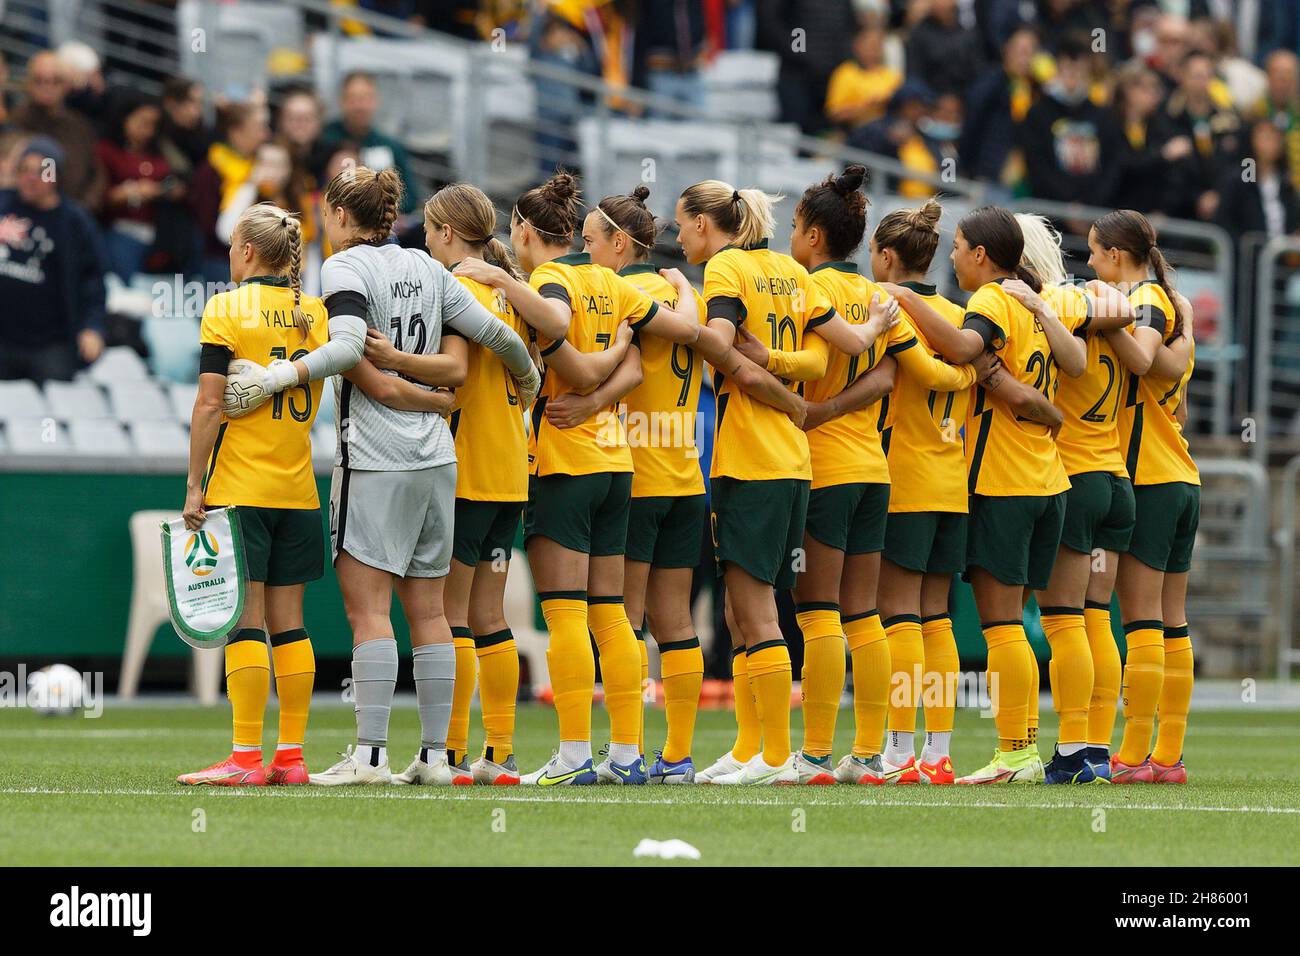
(771, 678)
(645, 683)
(620, 667)
(823, 674)
(942, 670)
(749, 735)
(1144, 673)
(1010, 674)
(498, 690)
(906, 661)
(295, 674)
(248, 684)
(462, 640)
(570, 661)
(1031, 700)
(1071, 671)
(682, 664)
(1106, 675)
(1175, 697)
(869, 649)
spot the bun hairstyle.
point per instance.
(553, 209)
(628, 214)
(838, 207)
(743, 214)
(471, 216)
(912, 235)
(999, 233)
(1132, 232)
(370, 198)
(276, 237)
(1042, 248)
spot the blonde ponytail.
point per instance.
(1042, 251)
(743, 214)
(469, 213)
(276, 237)
(371, 198)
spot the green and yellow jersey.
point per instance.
(1007, 455)
(1155, 451)
(263, 460)
(922, 435)
(487, 420)
(666, 459)
(775, 299)
(598, 300)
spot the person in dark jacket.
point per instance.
(1145, 146)
(1216, 136)
(997, 101)
(670, 48)
(51, 274)
(45, 113)
(808, 58)
(944, 54)
(1068, 142)
(1260, 198)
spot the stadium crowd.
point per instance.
(1149, 105)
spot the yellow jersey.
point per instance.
(661, 411)
(263, 460)
(1089, 438)
(922, 435)
(1156, 452)
(1007, 455)
(852, 84)
(775, 299)
(487, 420)
(598, 300)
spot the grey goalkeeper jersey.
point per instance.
(409, 297)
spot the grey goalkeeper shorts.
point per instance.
(396, 521)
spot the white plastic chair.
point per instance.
(182, 395)
(160, 439)
(118, 364)
(37, 436)
(141, 401)
(520, 601)
(149, 610)
(98, 436)
(75, 400)
(22, 399)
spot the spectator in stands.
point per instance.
(241, 130)
(995, 104)
(1259, 198)
(671, 47)
(87, 92)
(861, 86)
(359, 103)
(1058, 19)
(277, 178)
(138, 177)
(4, 91)
(1243, 82)
(45, 114)
(298, 123)
(808, 58)
(898, 135)
(1172, 42)
(940, 51)
(51, 273)
(1215, 131)
(1281, 104)
(1069, 143)
(1145, 150)
(185, 138)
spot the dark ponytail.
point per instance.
(553, 208)
(838, 207)
(1131, 232)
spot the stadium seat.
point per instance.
(182, 395)
(173, 347)
(117, 364)
(159, 439)
(325, 416)
(520, 609)
(323, 444)
(98, 436)
(139, 401)
(22, 399)
(70, 401)
(742, 83)
(36, 436)
(149, 610)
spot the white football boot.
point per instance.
(351, 772)
(726, 765)
(759, 773)
(434, 774)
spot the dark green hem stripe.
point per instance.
(985, 625)
(816, 606)
(1096, 605)
(248, 634)
(1174, 632)
(736, 652)
(496, 637)
(1060, 610)
(462, 632)
(679, 646)
(1132, 626)
(779, 642)
(289, 637)
(561, 595)
(936, 617)
(606, 599)
(874, 612)
(901, 619)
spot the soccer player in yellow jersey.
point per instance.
(761, 469)
(261, 463)
(1015, 476)
(1075, 606)
(1158, 352)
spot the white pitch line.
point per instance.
(556, 798)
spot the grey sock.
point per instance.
(435, 680)
(374, 677)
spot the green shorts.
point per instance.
(282, 546)
(665, 532)
(849, 517)
(586, 513)
(1167, 516)
(484, 530)
(1015, 538)
(1098, 513)
(759, 525)
(931, 542)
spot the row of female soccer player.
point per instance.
(1031, 441)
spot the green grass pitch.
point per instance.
(102, 792)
